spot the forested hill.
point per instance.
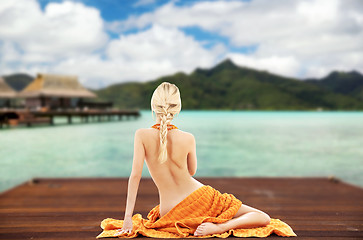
(230, 87)
(18, 81)
(347, 83)
(227, 86)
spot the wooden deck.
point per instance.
(30, 118)
(315, 208)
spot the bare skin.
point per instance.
(174, 179)
(246, 217)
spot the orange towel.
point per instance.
(205, 204)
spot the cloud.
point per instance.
(70, 38)
(9, 51)
(302, 38)
(142, 56)
(314, 33)
(34, 41)
(283, 65)
(63, 30)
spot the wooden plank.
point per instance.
(316, 208)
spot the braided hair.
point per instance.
(166, 103)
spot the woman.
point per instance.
(171, 158)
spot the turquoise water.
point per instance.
(229, 143)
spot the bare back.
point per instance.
(172, 178)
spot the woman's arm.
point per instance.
(192, 158)
(134, 180)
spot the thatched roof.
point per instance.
(51, 85)
(5, 90)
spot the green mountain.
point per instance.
(227, 86)
(18, 81)
(230, 87)
(347, 83)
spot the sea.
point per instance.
(229, 144)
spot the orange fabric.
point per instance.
(169, 127)
(205, 204)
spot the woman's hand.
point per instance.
(126, 227)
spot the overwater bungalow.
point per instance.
(7, 93)
(50, 91)
(49, 96)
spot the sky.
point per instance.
(105, 42)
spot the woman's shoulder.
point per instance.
(187, 133)
(184, 134)
(143, 130)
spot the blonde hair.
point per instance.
(166, 104)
